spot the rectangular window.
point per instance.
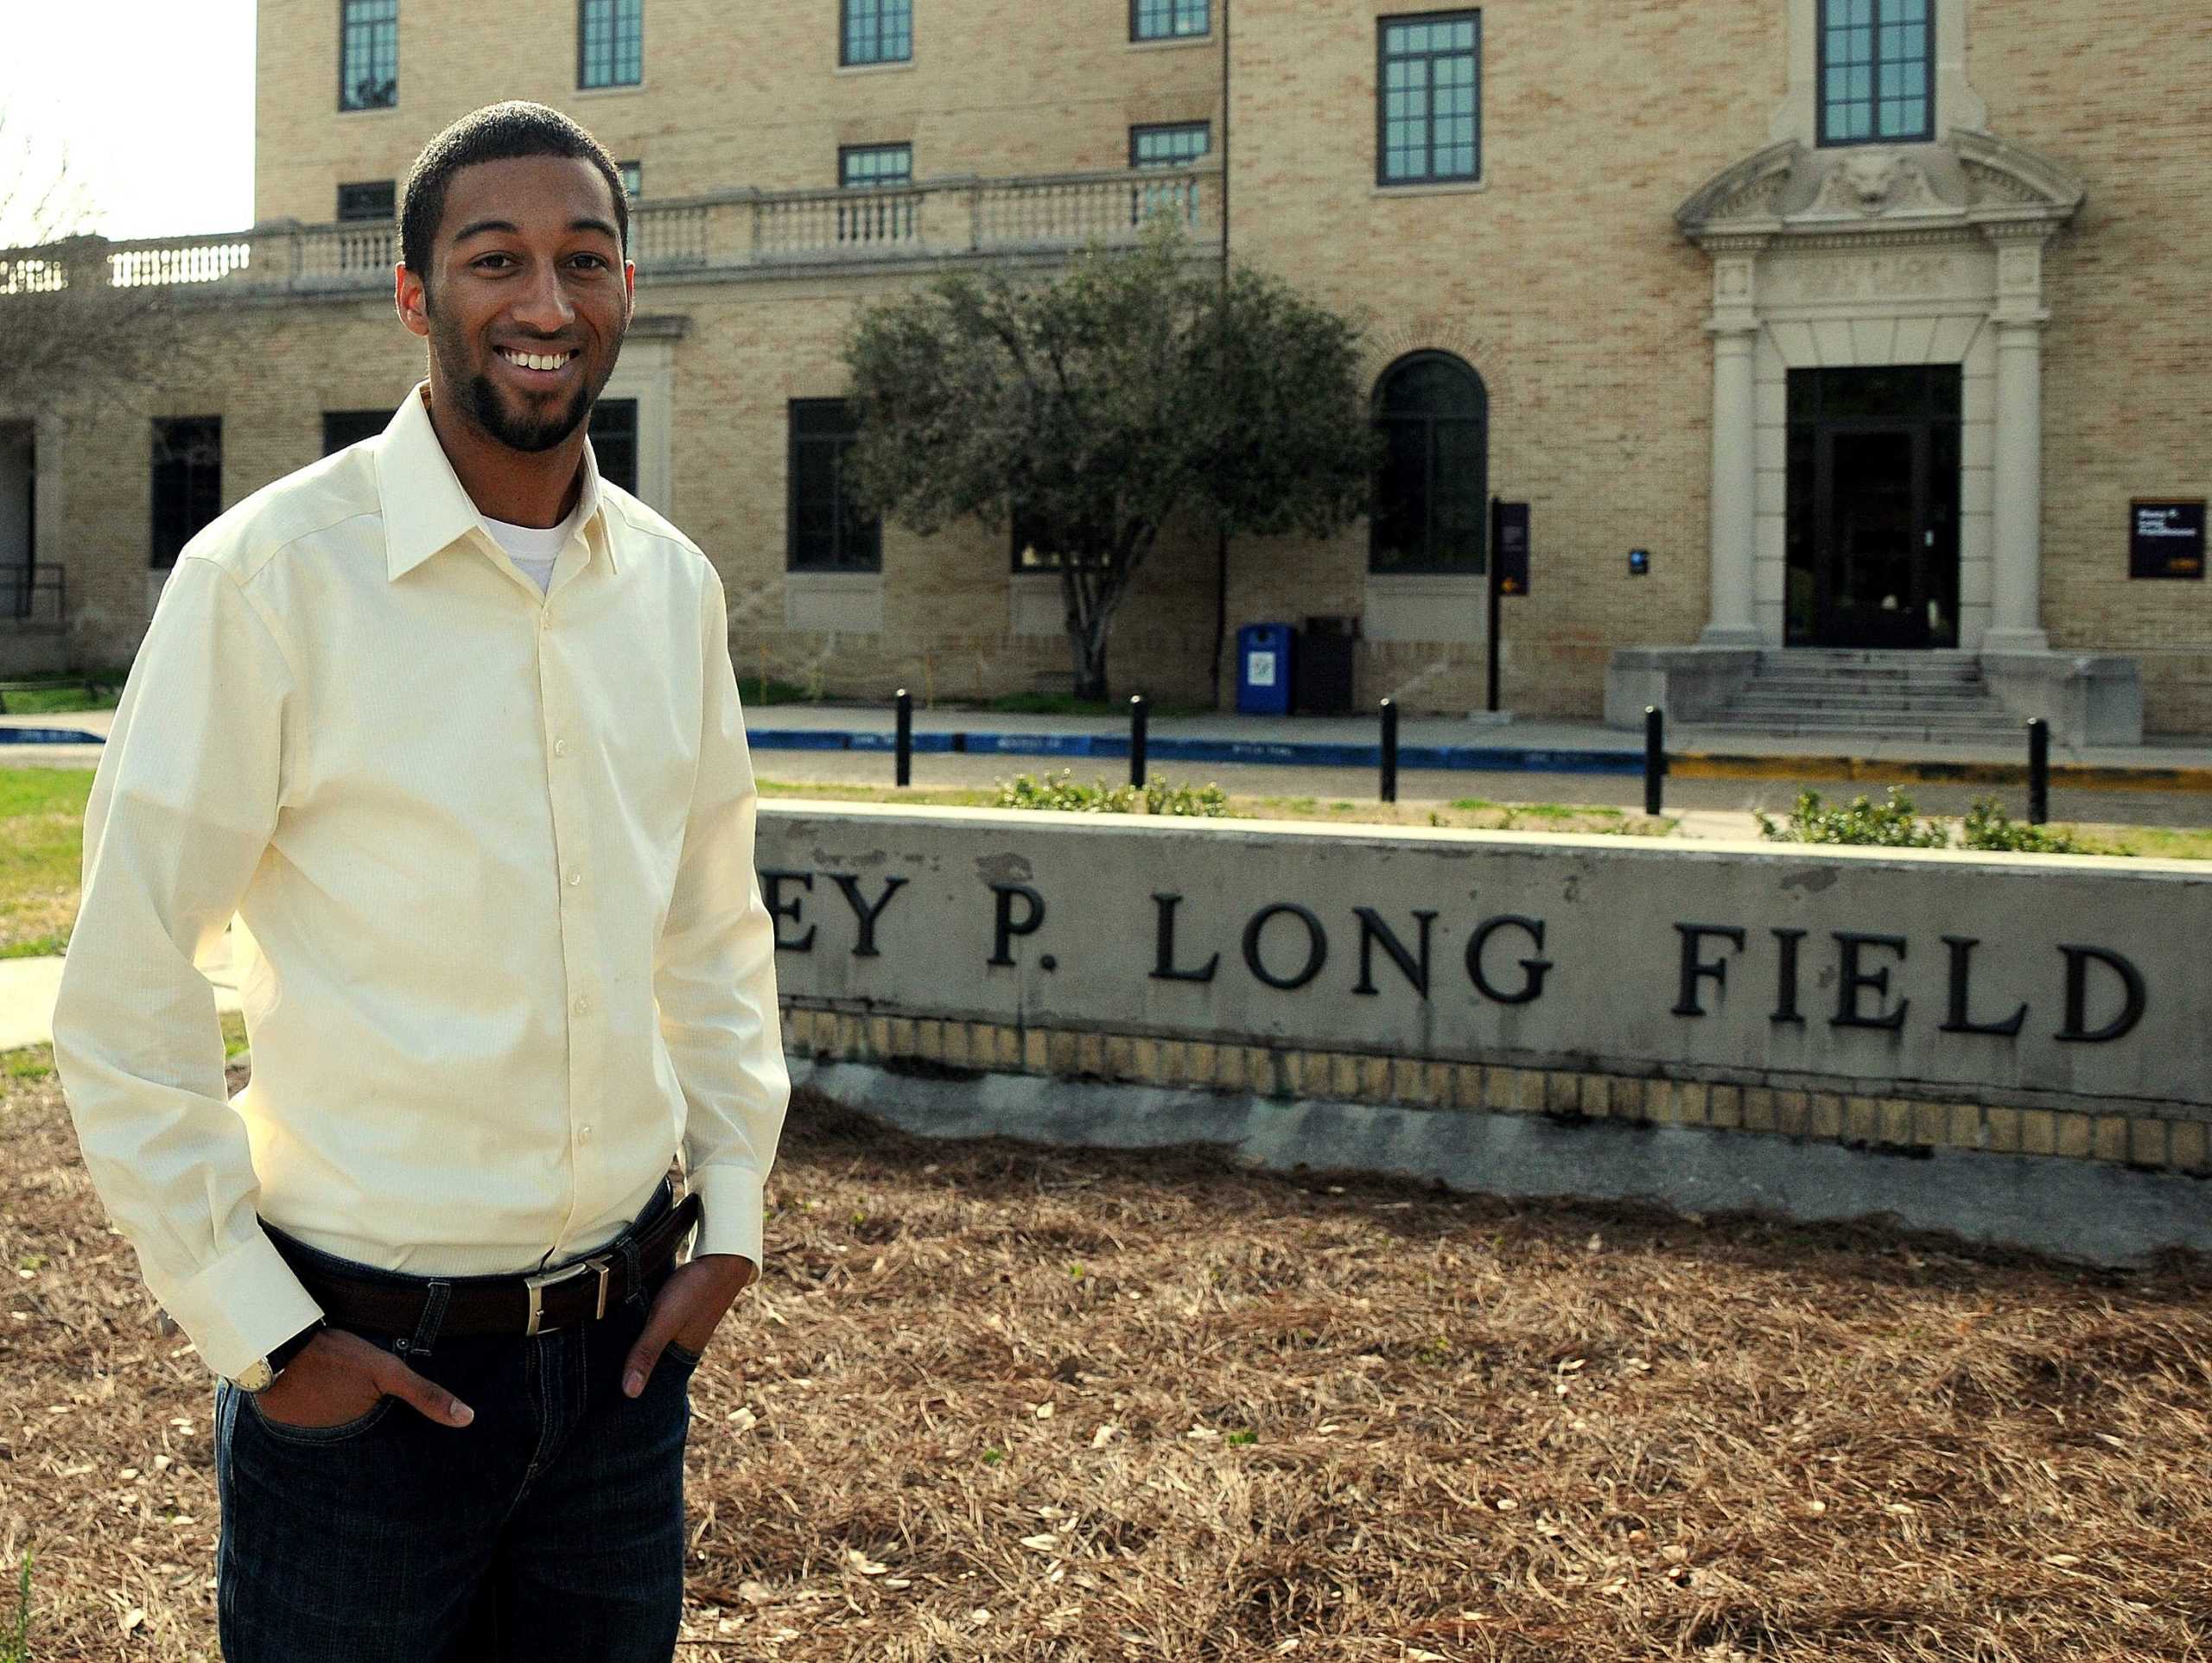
(1171, 145)
(614, 441)
(1428, 106)
(866, 167)
(344, 428)
(610, 43)
(634, 178)
(827, 532)
(1876, 67)
(368, 54)
(888, 219)
(188, 481)
(371, 200)
(1169, 20)
(877, 32)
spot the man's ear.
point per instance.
(408, 296)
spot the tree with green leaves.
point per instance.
(1101, 404)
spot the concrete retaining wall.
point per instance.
(2010, 1047)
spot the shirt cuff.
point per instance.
(731, 1206)
(242, 1307)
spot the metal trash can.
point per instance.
(1263, 669)
(1321, 678)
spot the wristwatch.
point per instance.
(260, 1374)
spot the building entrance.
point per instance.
(1873, 507)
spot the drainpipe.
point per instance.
(1221, 533)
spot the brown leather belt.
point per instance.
(518, 1306)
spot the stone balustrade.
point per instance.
(733, 232)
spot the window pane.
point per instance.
(344, 428)
(368, 54)
(610, 49)
(614, 441)
(188, 481)
(1171, 147)
(1459, 511)
(827, 531)
(1428, 108)
(1401, 496)
(372, 199)
(1432, 491)
(879, 31)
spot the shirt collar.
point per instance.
(425, 509)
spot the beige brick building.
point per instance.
(1871, 324)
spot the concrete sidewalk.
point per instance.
(28, 988)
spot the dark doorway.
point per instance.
(18, 518)
(1873, 530)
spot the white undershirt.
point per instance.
(534, 548)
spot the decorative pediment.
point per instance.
(1970, 179)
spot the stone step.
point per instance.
(1934, 708)
(1941, 674)
(1945, 694)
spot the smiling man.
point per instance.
(449, 725)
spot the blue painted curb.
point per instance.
(1458, 758)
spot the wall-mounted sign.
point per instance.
(1512, 548)
(2166, 538)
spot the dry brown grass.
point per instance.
(1000, 1403)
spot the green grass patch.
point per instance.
(752, 690)
(1067, 704)
(41, 852)
(62, 697)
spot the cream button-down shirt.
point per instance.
(502, 951)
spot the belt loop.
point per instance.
(632, 1267)
(426, 1331)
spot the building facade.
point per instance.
(1797, 324)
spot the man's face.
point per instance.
(527, 299)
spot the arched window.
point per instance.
(1432, 495)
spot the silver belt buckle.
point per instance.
(536, 1285)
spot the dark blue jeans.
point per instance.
(549, 1528)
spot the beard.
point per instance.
(524, 432)
(527, 429)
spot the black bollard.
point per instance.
(1654, 758)
(1138, 711)
(2038, 771)
(1389, 752)
(905, 738)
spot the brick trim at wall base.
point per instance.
(2108, 1188)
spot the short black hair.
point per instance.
(498, 132)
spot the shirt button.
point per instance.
(575, 878)
(582, 1005)
(560, 747)
(583, 1134)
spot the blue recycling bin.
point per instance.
(1263, 669)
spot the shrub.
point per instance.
(1061, 791)
(1888, 824)
(1988, 827)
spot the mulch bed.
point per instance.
(995, 1402)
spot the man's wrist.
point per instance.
(281, 1357)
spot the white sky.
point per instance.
(151, 101)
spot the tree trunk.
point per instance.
(1089, 648)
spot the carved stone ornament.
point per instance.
(1969, 181)
(1865, 183)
